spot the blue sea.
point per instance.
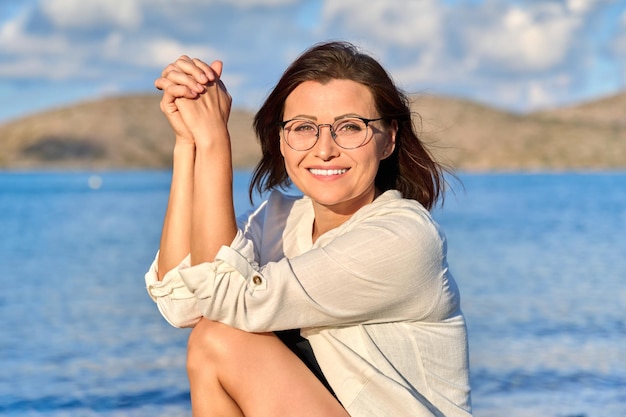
(540, 260)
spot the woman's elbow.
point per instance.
(179, 315)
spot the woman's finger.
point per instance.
(213, 71)
(216, 69)
(173, 66)
(175, 90)
(193, 68)
(177, 76)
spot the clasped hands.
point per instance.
(195, 100)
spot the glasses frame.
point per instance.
(333, 134)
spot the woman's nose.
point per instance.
(326, 148)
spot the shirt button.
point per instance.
(257, 280)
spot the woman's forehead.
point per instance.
(337, 96)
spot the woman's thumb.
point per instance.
(217, 67)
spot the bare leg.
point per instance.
(236, 373)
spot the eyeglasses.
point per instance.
(348, 133)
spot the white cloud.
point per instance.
(520, 94)
(14, 39)
(579, 6)
(158, 53)
(394, 22)
(426, 69)
(545, 93)
(87, 14)
(41, 68)
(523, 40)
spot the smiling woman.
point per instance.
(338, 180)
(336, 303)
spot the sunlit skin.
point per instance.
(338, 196)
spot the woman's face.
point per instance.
(336, 178)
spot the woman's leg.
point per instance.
(236, 373)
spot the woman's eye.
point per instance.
(349, 127)
(305, 128)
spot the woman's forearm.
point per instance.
(176, 234)
(201, 218)
(213, 214)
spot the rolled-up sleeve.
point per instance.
(212, 289)
(176, 303)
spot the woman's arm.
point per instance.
(213, 222)
(176, 233)
(213, 213)
(201, 133)
(175, 236)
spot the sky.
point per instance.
(517, 55)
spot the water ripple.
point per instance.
(104, 402)
(519, 380)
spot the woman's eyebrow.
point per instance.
(310, 117)
(303, 116)
(344, 116)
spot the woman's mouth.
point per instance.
(327, 172)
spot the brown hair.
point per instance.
(410, 169)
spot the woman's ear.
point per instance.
(391, 142)
(281, 145)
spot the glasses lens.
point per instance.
(350, 133)
(300, 134)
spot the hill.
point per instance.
(131, 132)
(119, 132)
(470, 136)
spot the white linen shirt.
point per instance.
(374, 297)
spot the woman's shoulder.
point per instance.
(405, 216)
(392, 203)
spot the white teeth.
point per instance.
(315, 171)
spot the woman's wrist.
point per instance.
(217, 140)
(184, 154)
(183, 146)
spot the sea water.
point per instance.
(540, 260)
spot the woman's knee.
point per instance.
(211, 341)
(207, 342)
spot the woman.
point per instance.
(356, 266)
